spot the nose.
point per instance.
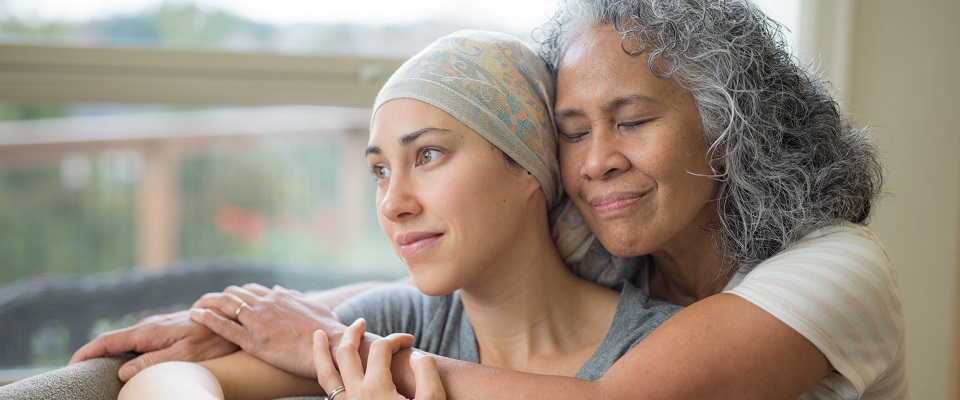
(604, 157)
(400, 200)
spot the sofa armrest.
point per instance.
(88, 380)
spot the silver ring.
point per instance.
(243, 305)
(335, 392)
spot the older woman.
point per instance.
(707, 149)
(719, 175)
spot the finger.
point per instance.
(141, 362)
(225, 327)
(281, 289)
(348, 356)
(256, 289)
(381, 355)
(118, 341)
(95, 348)
(226, 304)
(209, 300)
(242, 294)
(327, 374)
(426, 374)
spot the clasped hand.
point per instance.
(276, 325)
(352, 382)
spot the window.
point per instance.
(169, 136)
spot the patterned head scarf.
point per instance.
(497, 86)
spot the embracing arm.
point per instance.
(721, 347)
(837, 290)
(334, 297)
(174, 337)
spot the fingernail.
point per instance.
(416, 354)
(357, 322)
(128, 371)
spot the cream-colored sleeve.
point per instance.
(838, 288)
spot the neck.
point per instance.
(534, 315)
(689, 269)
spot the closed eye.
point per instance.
(633, 124)
(573, 137)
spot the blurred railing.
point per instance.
(151, 146)
(147, 149)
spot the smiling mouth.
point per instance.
(610, 204)
(412, 245)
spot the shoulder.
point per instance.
(383, 297)
(637, 316)
(838, 288)
(846, 256)
(393, 308)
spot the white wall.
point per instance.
(903, 68)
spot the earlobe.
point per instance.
(531, 184)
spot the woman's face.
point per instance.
(448, 200)
(631, 149)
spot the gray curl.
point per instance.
(785, 158)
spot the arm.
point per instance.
(721, 347)
(174, 337)
(277, 327)
(235, 376)
(334, 297)
(738, 345)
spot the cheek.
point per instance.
(569, 166)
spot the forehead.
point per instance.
(400, 116)
(400, 121)
(596, 69)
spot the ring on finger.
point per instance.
(335, 392)
(243, 305)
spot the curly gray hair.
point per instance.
(785, 158)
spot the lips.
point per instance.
(413, 243)
(610, 203)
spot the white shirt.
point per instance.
(838, 288)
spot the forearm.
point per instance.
(722, 347)
(333, 297)
(242, 376)
(466, 380)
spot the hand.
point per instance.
(276, 325)
(161, 338)
(378, 382)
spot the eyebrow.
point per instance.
(611, 105)
(408, 138)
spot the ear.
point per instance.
(531, 186)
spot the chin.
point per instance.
(622, 245)
(431, 287)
